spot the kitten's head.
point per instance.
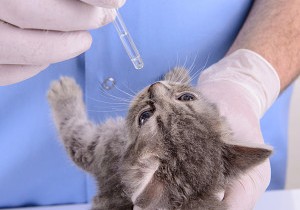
(177, 145)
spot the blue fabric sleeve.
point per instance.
(34, 168)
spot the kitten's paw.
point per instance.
(64, 91)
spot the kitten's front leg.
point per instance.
(70, 118)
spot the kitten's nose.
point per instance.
(154, 85)
(156, 89)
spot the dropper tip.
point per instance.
(137, 62)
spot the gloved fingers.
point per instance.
(106, 3)
(235, 104)
(60, 15)
(250, 72)
(246, 190)
(10, 74)
(37, 47)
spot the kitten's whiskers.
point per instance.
(201, 69)
(108, 111)
(122, 91)
(114, 97)
(127, 86)
(106, 102)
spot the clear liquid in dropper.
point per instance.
(128, 43)
(137, 62)
(132, 51)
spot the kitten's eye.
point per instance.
(186, 97)
(144, 117)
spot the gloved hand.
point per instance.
(34, 34)
(243, 85)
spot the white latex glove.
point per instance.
(243, 85)
(36, 33)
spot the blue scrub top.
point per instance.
(35, 169)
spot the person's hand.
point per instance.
(34, 34)
(243, 86)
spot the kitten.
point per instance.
(168, 153)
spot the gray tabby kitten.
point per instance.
(169, 152)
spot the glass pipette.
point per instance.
(127, 42)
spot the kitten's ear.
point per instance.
(151, 196)
(241, 158)
(178, 74)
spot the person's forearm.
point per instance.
(273, 31)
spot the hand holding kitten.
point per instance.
(243, 86)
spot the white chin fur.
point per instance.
(148, 174)
(220, 195)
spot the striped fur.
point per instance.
(174, 158)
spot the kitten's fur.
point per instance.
(175, 159)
